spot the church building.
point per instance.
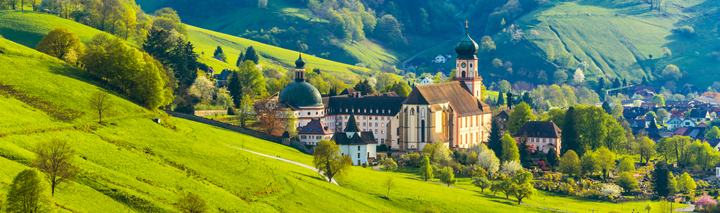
(451, 113)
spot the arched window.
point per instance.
(412, 111)
(463, 74)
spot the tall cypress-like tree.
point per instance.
(494, 141)
(661, 179)
(235, 88)
(509, 101)
(523, 151)
(606, 107)
(617, 83)
(570, 140)
(252, 55)
(218, 51)
(500, 99)
(601, 84)
(552, 158)
(527, 99)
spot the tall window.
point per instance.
(422, 131)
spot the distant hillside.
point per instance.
(615, 38)
(346, 31)
(28, 28)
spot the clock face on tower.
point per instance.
(463, 65)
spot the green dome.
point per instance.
(300, 63)
(300, 94)
(467, 48)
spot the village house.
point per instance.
(502, 118)
(541, 136)
(313, 132)
(699, 115)
(425, 81)
(359, 145)
(440, 59)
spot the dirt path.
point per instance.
(286, 160)
(690, 208)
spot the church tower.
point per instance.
(466, 70)
(300, 69)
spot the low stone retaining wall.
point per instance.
(210, 112)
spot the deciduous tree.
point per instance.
(510, 149)
(28, 193)
(191, 203)
(426, 170)
(55, 157)
(570, 164)
(328, 159)
(447, 176)
(482, 183)
(100, 102)
(627, 181)
(521, 185)
(59, 42)
(646, 148)
(686, 183)
(518, 117)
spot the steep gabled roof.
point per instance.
(456, 93)
(352, 125)
(363, 139)
(539, 129)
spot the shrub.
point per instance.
(687, 31)
(364, 165)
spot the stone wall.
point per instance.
(210, 112)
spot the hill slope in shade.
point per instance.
(28, 28)
(616, 38)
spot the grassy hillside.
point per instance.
(28, 28)
(283, 14)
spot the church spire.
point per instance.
(300, 69)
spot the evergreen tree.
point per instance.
(661, 179)
(645, 81)
(364, 88)
(570, 140)
(494, 141)
(218, 51)
(234, 86)
(158, 44)
(617, 83)
(606, 107)
(500, 99)
(252, 55)
(626, 83)
(183, 62)
(601, 84)
(523, 151)
(552, 158)
(241, 58)
(527, 99)
(509, 100)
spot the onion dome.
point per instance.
(300, 94)
(300, 63)
(467, 48)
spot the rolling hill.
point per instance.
(616, 39)
(283, 14)
(28, 28)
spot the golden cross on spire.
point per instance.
(466, 24)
